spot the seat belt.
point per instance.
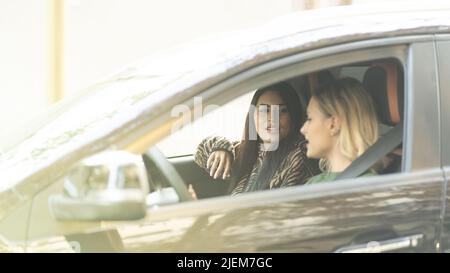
(381, 148)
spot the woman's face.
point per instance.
(317, 131)
(272, 119)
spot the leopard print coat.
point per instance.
(295, 169)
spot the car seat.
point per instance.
(384, 81)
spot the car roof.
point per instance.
(104, 113)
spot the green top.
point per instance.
(330, 176)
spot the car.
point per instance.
(400, 53)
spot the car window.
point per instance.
(226, 121)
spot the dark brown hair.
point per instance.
(247, 151)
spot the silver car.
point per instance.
(90, 175)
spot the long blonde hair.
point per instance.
(348, 100)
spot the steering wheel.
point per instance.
(168, 171)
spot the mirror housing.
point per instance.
(162, 197)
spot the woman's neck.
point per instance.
(337, 161)
(268, 147)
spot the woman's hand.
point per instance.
(219, 164)
(192, 192)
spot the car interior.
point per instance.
(383, 79)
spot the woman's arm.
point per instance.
(210, 145)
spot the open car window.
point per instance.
(227, 121)
(382, 79)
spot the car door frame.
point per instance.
(443, 64)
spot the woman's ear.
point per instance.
(335, 125)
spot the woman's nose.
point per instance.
(274, 114)
(303, 129)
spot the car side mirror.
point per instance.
(108, 186)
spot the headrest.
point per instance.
(318, 78)
(384, 82)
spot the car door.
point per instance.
(443, 58)
(395, 212)
(398, 212)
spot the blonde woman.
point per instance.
(341, 124)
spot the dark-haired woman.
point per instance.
(271, 154)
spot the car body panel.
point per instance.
(423, 126)
(443, 57)
(14, 229)
(300, 219)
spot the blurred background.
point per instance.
(51, 49)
